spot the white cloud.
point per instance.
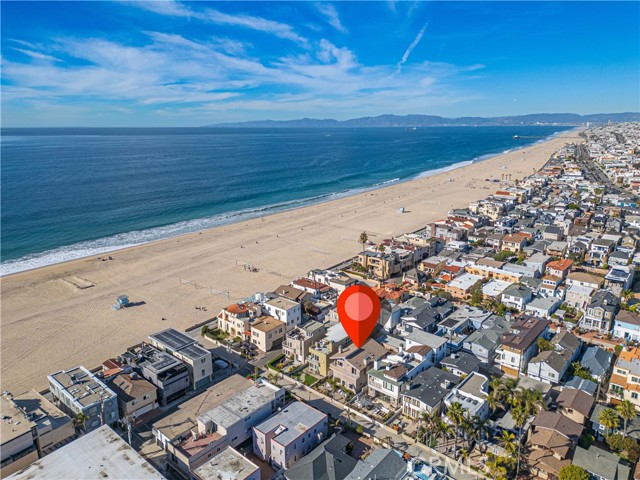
(193, 78)
(413, 45)
(36, 55)
(331, 14)
(173, 8)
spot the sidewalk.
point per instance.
(379, 431)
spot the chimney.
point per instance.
(376, 365)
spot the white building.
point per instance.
(285, 310)
(229, 464)
(289, 435)
(198, 359)
(472, 394)
(98, 454)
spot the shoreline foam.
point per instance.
(124, 240)
(75, 326)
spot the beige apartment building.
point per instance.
(267, 333)
(31, 427)
(298, 341)
(625, 379)
(319, 357)
(236, 318)
(350, 365)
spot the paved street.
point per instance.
(399, 442)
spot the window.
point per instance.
(634, 395)
(635, 379)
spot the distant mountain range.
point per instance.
(435, 121)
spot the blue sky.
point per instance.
(170, 63)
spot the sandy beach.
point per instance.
(60, 316)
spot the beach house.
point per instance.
(185, 348)
(350, 365)
(79, 391)
(519, 345)
(267, 333)
(289, 435)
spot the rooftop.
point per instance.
(186, 417)
(291, 422)
(14, 421)
(577, 400)
(282, 303)
(361, 357)
(524, 332)
(98, 454)
(226, 465)
(242, 404)
(172, 339)
(81, 385)
(266, 323)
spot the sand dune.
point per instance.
(48, 324)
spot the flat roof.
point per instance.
(43, 412)
(193, 352)
(186, 417)
(98, 454)
(172, 338)
(81, 385)
(241, 405)
(14, 422)
(229, 464)
(282, 303)
(291, 422)
(266, 323)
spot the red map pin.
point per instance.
(358, 311)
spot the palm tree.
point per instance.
(442, 429)
(609, 419)
(349, 416)
(627, 411)
(532, 400)
(520, 416)
(477, 428)
(510, 385)
(508, 442)
(456, 414)
(496, 466)
(430, 422)
(80, 421)
(364, 238)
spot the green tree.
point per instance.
(80, 421)
(501, 309)
(573, 472)
(627, 411)
(443, 294)
(476, 295)
(581, 371)
(382, 248)
(519, 414)
(544, 345)
(204, 330)
(363, 239)
(609, 419)
(497, 467)
(508, 441)
(456, 414)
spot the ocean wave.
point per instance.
(139, 237)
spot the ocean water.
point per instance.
(69, 193)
